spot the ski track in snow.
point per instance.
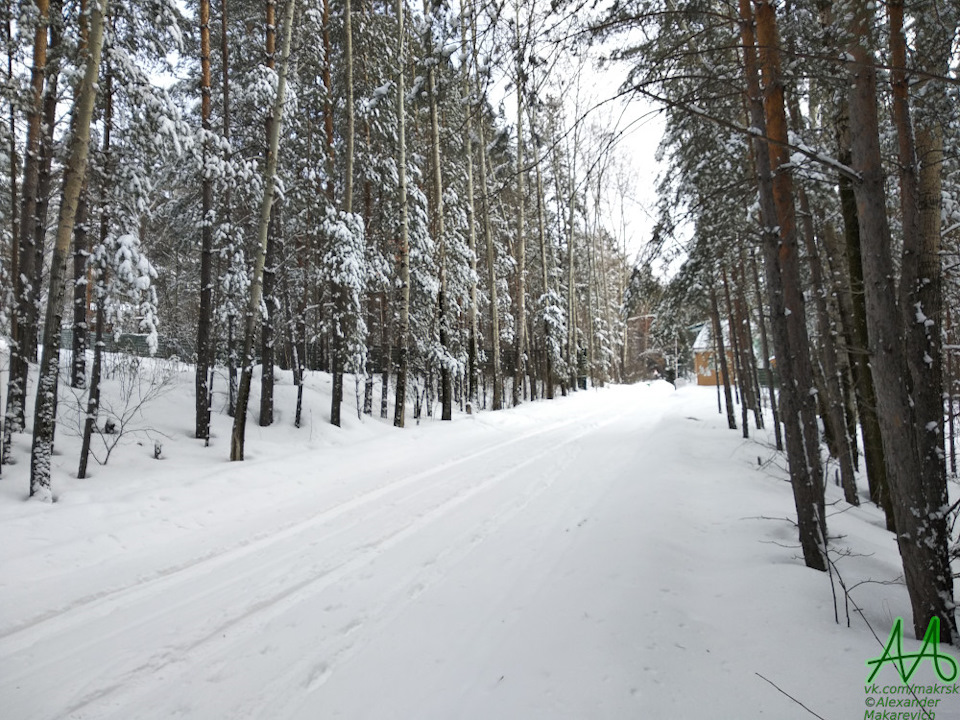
(247, 587)
(600, 565)
(53, 621)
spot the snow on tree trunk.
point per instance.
(266, 205)
(204, 339)
(23, 348)
(78, 363)
(919, 511)
(782, 292)
(399, 410)
(45, 409)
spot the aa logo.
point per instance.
(944, 665)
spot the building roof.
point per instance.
(704, 340)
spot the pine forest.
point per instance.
(437, 212)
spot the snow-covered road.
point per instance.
(589, 558)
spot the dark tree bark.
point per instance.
(520, 256)
(548, 373)
(721, 351)
(81, 294)
(93, 397)
(473, 352)
(950, 381)
(783, 287)
(921, 162)
(399, 410)
(765, 349)
(270, 300)
(45, 181)
(228, 210)
(44, 420)
(918, 509)
(266, 206)
(742, 379)
(9, 300)
(268, 325)
(854, 310)
(833, 402)
(768, 45)
(387, 351)
(840, 307)
(204, 329)
(23, 348)
(745, 327)
(437, 221)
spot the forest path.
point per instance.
(596, 566)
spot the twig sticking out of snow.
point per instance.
(790, 696)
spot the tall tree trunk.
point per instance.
(328, 99)
(473, 354)
(93, 397)
(491, 252)
(81, 292)
(521, 247)
(545, 263)
(588, 247)
(573, 359)
(399, 410)
(920, 310)
(918, 510)
(266, 205)
(765, 349)
(336, 350)
(768, 45)
(833, 401)
(339, 297)
(44, 418)
(745, 328)
(561, 232)
(950, 381)
(721, 351)
(204, 329)
(8, 301)
(743, 380)
(371, 297)
(387, 354)
(23, 348)
(270, 300)
(779, 246)
(855, 309)
(935, 29)
(841, 311)
(853, 306)
(228, 210)
(45, 182)
(436, 220)
(268, 327)
(99, 292)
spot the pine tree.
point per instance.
(266, 206)
(45, 410)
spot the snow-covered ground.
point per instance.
(617, 553)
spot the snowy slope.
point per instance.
(615, 554)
